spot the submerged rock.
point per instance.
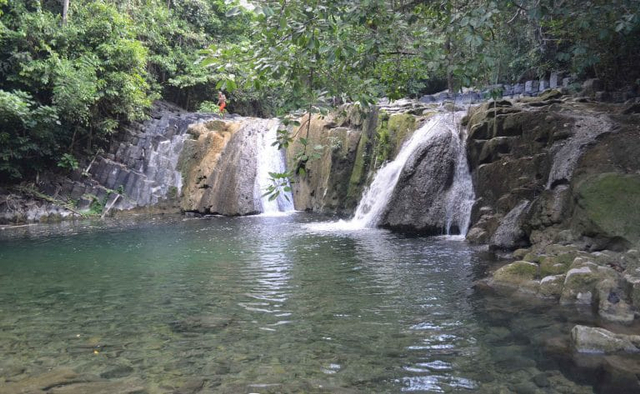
(598, 340)
(67, 381)
(200, 324)
(612, 303)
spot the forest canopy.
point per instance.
(71, 72)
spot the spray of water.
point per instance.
(460, 196)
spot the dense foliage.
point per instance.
(65, 87)
(310, 50)
(66, 84)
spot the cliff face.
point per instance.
(355, 143)
(559, 180)
(218, 169)
(546, 171)
(137, 171)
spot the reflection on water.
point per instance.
(266, 304)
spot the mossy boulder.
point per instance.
(607, 207)
(612, 303)
(532, 257)
(519, 254)
(551, 286)
(554, 265)
(519, 274)
(580, 282)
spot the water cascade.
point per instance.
(227, 163)
(269, 160)
(434, 157)
(461, 196)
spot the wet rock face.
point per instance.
(419, 200)
(221, 180)
(335, 181)
(553, 154)
(143, 161)
(140, 165)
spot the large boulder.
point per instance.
(419, 201)
(607, 208)
(612, 301)
(510, 234)
(580, 283)
(522, 275)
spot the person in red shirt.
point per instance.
(222, 102)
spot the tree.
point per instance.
(65, 11)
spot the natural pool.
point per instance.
(266, 305)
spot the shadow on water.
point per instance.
(281, 304)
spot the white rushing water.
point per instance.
(270, 159)
(377, 196)
(460, 197)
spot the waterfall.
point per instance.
(459, 196)
(270, 159)
(377, 196)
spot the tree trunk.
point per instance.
(65, 11)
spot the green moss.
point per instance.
(550, 95)
(391, 133)
(533, 257)
(400, 127)
(519, 254)
(516, 272)
(610, 202)
(553, 266)
(381, 140)
(363, 158)
(361, 163)
(522, 268)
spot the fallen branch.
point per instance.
(110, 206)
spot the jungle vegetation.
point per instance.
(73, 71)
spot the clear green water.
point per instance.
(267, 304)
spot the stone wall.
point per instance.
(137, 171)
